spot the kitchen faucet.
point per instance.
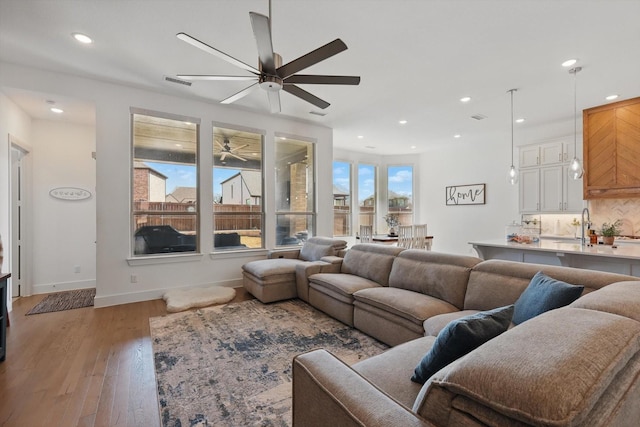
(588, 224)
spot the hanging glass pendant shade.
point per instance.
(575, 170)
(512, 175)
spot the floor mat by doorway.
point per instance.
(68, 300)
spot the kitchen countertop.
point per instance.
(570, 246)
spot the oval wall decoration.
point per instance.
(70, 193)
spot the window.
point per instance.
(238, 212)
(164, 184)
(341, 199)
(295, 191)
(367, 194)
(400, 193)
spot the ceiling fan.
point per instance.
(271, 75)
(226, 150)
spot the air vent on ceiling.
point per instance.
(317, 113)
(478, 117)
(176, 80)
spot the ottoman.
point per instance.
(271, 280)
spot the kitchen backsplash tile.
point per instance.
(609, 210)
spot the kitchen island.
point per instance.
(622, 258)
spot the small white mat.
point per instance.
(184, 299)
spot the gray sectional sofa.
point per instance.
(574, 366)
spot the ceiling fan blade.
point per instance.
(215, 52)
(262, 33)
(233, 150)
(211, 77)
(274, 101)
(224, 155)
(236, 156)
(322, 80)
(220, 145)
(244, 92)
(311, 58)
(303, 94)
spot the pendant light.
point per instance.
(575, 167)
(512, 176)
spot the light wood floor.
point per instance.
(84, 367)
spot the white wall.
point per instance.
(64, 231)
(14, 122)
(113, 232)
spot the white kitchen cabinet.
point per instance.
(546, 187)
(529, 156)
(530, 190)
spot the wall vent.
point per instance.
(478, 117)
(176, 80)
(317, 113)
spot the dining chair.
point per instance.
(405, 236)
(419, 236)
(366, 234)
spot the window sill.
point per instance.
(243, 253)
(164, 259)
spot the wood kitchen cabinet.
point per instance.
(612, 150)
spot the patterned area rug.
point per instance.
(231, 365)
(68, 300)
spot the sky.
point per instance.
(400, 179)
(185, 176)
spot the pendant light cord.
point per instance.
(575, 71)
(511, 91)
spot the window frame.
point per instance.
(349, 213)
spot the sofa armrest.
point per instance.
(332, 259)
(303, 272)
(284, 253)
(327, 392)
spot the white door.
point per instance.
(18, 214)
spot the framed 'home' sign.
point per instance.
(473, 194)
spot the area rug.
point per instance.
(231, 365)
(67, 300)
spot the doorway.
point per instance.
(19, 212)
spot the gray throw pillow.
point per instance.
(543, 294)
(461, 336)
(313, 252)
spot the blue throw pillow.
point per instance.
(543, 294)
(460, 337)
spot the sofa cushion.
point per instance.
(434, 324)
(272, 269)
(370, 261)
(460, 337)
(584, 350)
(543, 294)
(622, 298)
(313, 251)
(339, 285)
(408, 305)
(443, 276)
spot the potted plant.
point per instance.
(609, 231)
(392, 223)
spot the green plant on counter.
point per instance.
(610, 230)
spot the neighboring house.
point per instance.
(340, 196)
(182, 195)
(243, 188)
(149, 184)
(398, 200)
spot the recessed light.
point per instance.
(569, 62)
(520, 120)
(465, 99)
(403, 122)
(360, 136)
(611, 97)
(413, 147)
(178, 145)
(57, 110)
(457, 135)
(82, 38)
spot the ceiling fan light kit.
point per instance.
(271, 75)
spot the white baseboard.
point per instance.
(129, 297)
(63, 286)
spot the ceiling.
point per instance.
(417, 58)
